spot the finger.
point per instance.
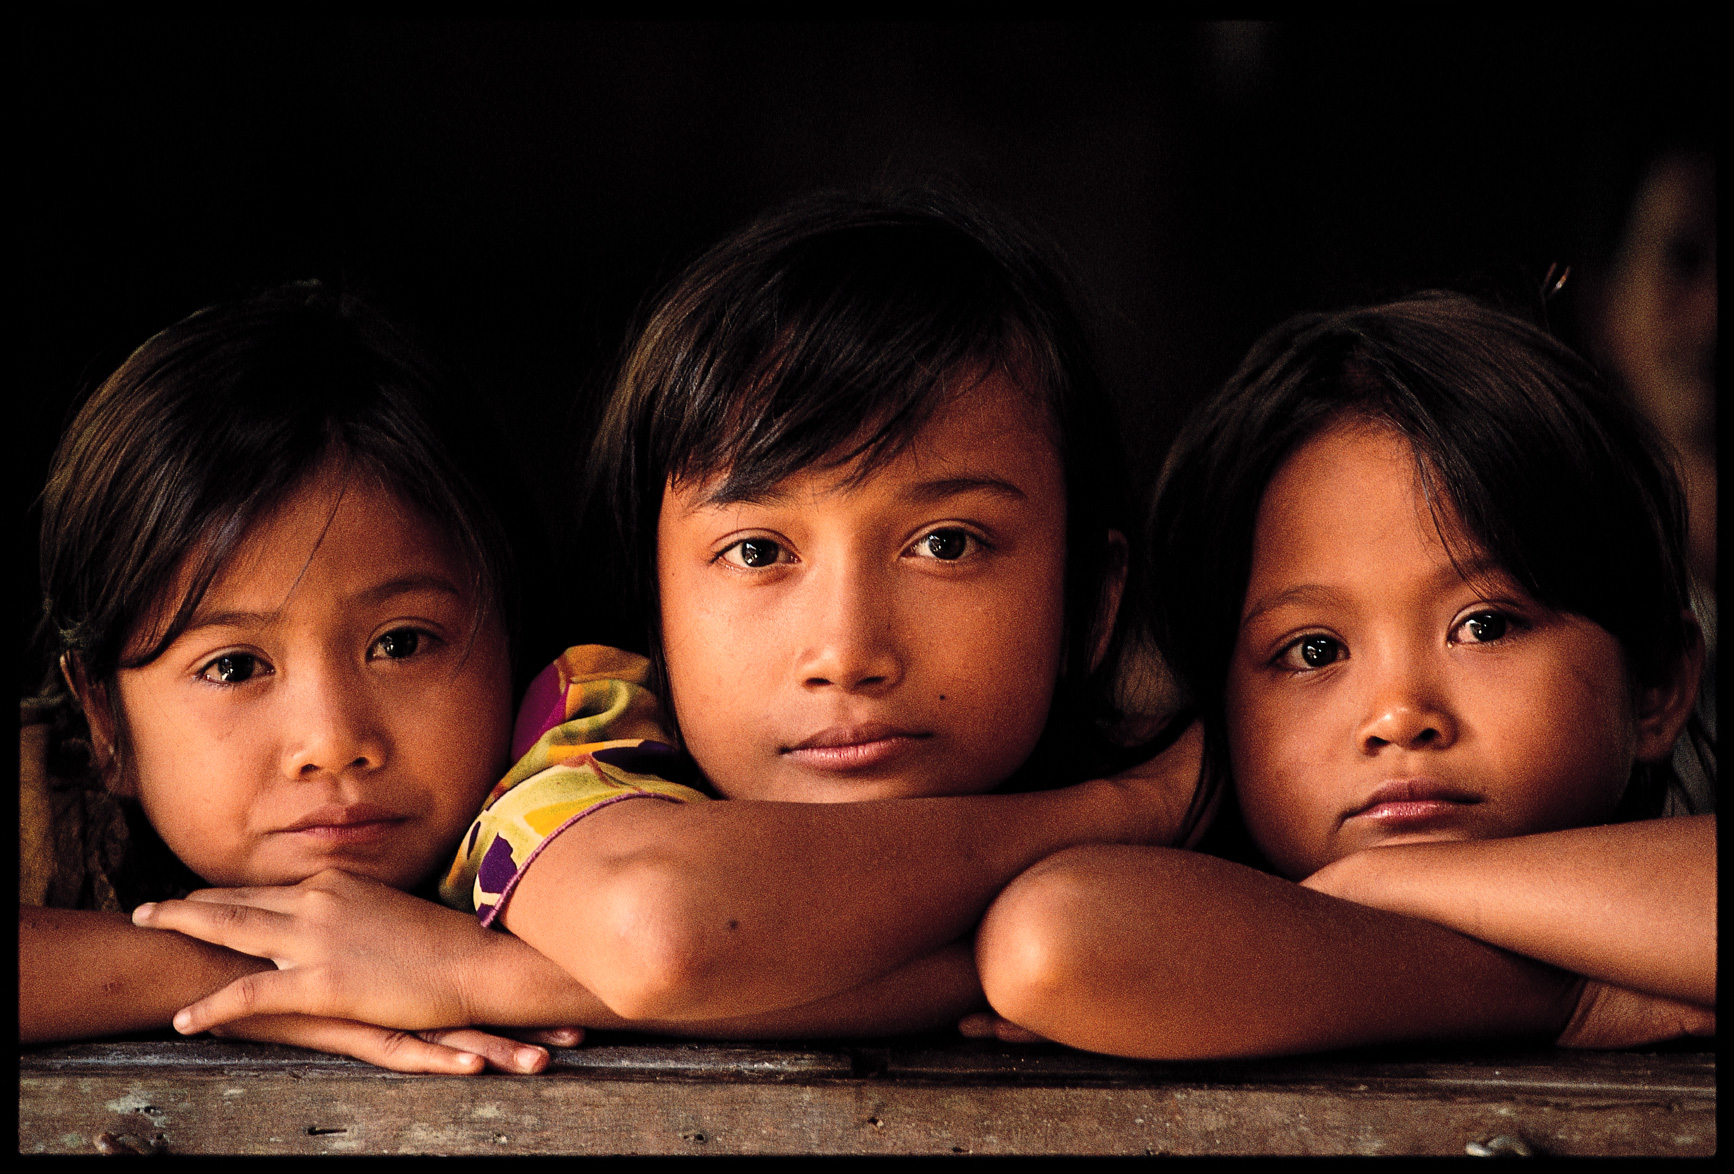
(553, 1037)
(264, 992)
(282, 897)
(977, 1025)
(400, 1051)
(278, 897)
(987, 1025)
(507, 1055)
(1010, 1033)
(239, 927)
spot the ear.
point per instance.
(104, 737)
(1113, 589)
(1663, 708)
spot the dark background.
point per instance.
(519, 190)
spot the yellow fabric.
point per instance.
(608, 744)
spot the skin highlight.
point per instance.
(893, 637)
(1388, 699)
(329, 706)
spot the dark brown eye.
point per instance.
(760, 552)
(232, 669)
(1485, 626)
(398, 643)
(948, 545)
(1311, 652)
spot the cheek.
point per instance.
(1270, 756)
(716, 657)
(466, 724)
(171, 762)
(1577, 752)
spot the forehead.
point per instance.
(992, 424)
(1354, 487)
(332, 536)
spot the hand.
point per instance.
(346, 947)
(987, 1025)
(1157, 793)
(449, 1052)
(1609, 1016)
(1348, 877)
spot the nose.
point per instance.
(852, 640)
(334, 726)
(1407, 708)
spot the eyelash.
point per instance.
(722, 556)
(1294, 646)
(416, 647)
(974, 544)
(1508, 624)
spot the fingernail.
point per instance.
(530, 1057)
(144, 913)
(183, 1021)
(470, 1060)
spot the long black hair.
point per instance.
(1553, 477)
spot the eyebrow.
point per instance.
(1479, 567)
(371, 596)
(1301, 593)
(922, 492)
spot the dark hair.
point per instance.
(1554, 478)
(830, 330)
(215, 421)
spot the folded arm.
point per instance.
(719, 910)
(1166, 954)
(83, 975)
(352, 948)
(1632, 904)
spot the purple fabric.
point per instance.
(499, 850)
(544, 708)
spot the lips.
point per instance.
(854, 747)
(1408, 801)
(346, 824)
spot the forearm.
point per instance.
(719, 910)
(84, 974)
(1173, 955)
(1632, 904)
(928, 993)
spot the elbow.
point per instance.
(1083, 949)
(1033, 950)
(653, 957)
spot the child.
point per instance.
(866, 485)
(276, 589)
(1423, 577)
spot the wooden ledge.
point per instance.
(627, 1095)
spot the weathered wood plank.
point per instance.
(202, 1096)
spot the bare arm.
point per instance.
(83, 974)
(1167, 954)
(930, 992)
(355, 949)
(719, 910)
(1632, 904)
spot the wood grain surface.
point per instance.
(624, 1095)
